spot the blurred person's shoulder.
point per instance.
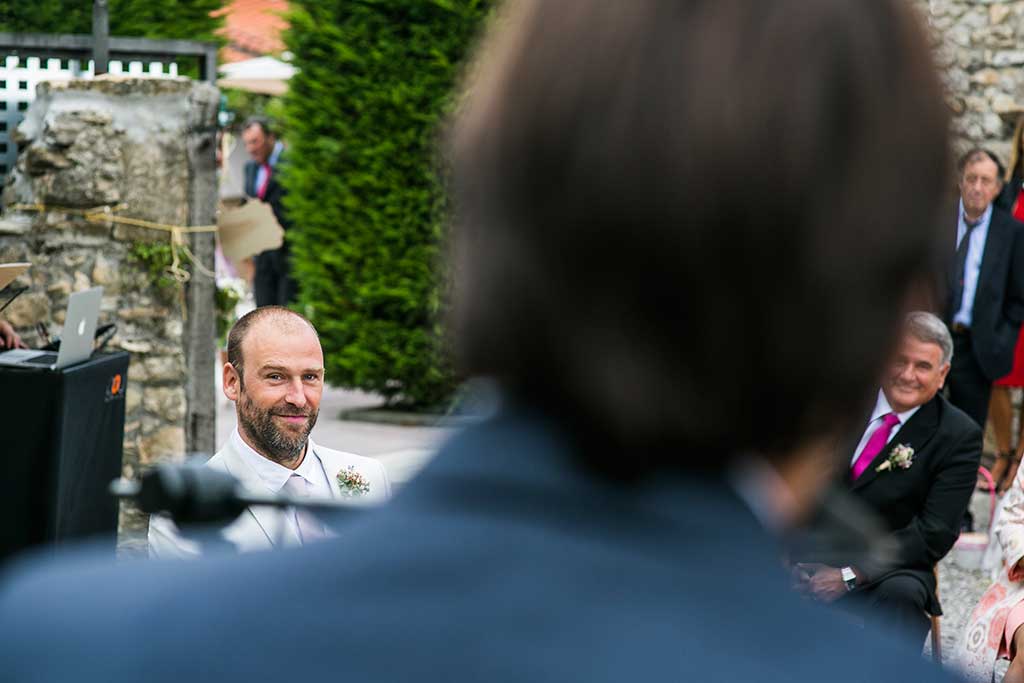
(504, 561)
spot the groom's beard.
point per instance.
(280, 445)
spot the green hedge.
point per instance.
(374, 80)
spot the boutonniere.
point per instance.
(902, 456)
(352, 483)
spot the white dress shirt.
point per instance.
(972, 269)
(274, 475)
(882, 408)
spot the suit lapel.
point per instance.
(269, 519)
(331, 464)
(993, 248)
(250, 179)
(916, 433)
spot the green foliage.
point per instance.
(226, 299)
(375, 77)
(242, 105)
(182, 19)
(156, 259)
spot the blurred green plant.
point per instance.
(242, 105)
(183, 19)
(228, 294)
(374, 79)
(156, 258)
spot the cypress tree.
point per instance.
(375, 78)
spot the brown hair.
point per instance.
(977, 154)
(686, 226)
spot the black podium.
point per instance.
(62, 434)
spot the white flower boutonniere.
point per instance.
(352, 483)
(902, 456)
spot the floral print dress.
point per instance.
(980, 647)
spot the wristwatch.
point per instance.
(849, 578)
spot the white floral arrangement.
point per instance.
(351, 483)
(902, 457)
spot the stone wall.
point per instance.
(980, 51)
(105, 143)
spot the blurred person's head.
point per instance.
(275, 375)
(920, 364)
(981, 177)
(259, 139)
(689, 227)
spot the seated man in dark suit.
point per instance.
(915, 466)
(659, 253)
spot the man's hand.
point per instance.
(822, 582)
(9, 339)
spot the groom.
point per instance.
(275, 374)
(915, 467)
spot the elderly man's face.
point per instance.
(915, 375)
(979, 185)
(278, 401)
(258, 144)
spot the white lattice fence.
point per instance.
(18, 80)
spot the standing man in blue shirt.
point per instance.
(985, 305)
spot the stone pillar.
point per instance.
(980, 51)
(144, 145)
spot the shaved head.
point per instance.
(275, 317)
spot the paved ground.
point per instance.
(960, 588)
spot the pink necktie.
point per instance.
(262, 192)
(310, 528)
(875, 444)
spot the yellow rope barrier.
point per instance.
(105, 214)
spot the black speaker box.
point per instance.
(61, 433)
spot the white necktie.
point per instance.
(310, 528)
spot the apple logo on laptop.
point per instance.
(81, 327)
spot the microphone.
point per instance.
(195, 494)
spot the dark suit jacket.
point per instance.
(275, 192)
(503, 561)
(922, 506)
(1008, 195)
(999, 298)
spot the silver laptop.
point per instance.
(76, 340)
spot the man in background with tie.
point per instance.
(273, 284)
(915, 467)
(985, 304)
(275, 374)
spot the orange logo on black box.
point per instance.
(115, 388)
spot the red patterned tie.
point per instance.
(262, 192)
(875, 444)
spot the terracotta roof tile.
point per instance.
(253, 28)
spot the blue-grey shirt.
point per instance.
(975, 250)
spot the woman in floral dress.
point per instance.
(993, 631)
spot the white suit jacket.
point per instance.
(261, 527)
